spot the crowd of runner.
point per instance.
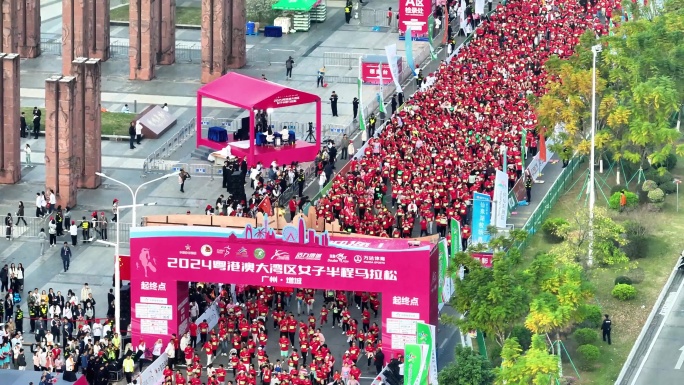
(258, 314)
(449, 138)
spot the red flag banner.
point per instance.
(265, 206)
(125, 267)
(542, 146)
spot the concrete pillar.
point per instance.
(75, 28)
(87, 122)
(29, 28)
(60, 172)
(99, 22)
(143, 35)
(237, 54)
(167, 32)
(9, 26)
(10, 142)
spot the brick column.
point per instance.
(237, 55)
(167, 32)
(99, 22)
(9, 26)
(60, 173)
(75, 36)
(215, 43)
(29, 28)
(93, 125)
(87, 122)
(10, 142)
(143, 35)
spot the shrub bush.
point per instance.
(591, 315)
(623, 280)
(656, 196)
(636, 248)
(669, 164)
(524, 336)
(495, 355)
(632, 200)
(636, 274)
(585, 336)
(617, 188)
(551, 228)
(649, 185)
(624, 292)
(663, 176)
(669, 187)
(588, 355)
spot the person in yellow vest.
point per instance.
(128, 368)
(116, 341)
(85, 228)
(347, 13)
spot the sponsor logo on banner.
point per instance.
(280, 255)
(285, 100)
(241, 253)
(369, 259)
(358, 258)
(308, 256)
(207, 250)
(188, 251)
(259, 253)
(338, 258)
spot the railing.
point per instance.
(30, 228)
(559, 187)
(51, 44)
(156, 160)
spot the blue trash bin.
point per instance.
(250, 28)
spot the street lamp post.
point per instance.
(592, 193)
(117, 268)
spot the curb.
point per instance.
(113, 138)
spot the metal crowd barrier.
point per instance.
(377, 18)
(32, 226)
(51, 43)
(155, 162)
(348, 60)
(291, 190)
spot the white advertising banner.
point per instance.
(211, 315)
(500, 204)
(391, 52)
(479, 7)
(154, 374)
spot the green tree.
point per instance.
(469, 368)
(640, 86)
(561, 290)
(607, 240)
(535, 367)
(492, 299)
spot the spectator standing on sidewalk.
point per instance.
(65, 253)
(344, 147)
(42, 238)
(52, 231)
(27, 154)
(8, 226)
(73, 231)
(131, 135)
(138, 131)
(289, 64)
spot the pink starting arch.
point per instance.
(164, 259)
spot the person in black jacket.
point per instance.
(379, 360)
(131, 135)
(23, 126)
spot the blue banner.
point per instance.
(482, 206)
(409, 50)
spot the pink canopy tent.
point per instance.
(257, 94)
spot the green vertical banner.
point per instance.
(362, 119)
(445, 288)
(426, 335)
(482, 346)
(415, 364)
(431, 31)
(523, 139)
